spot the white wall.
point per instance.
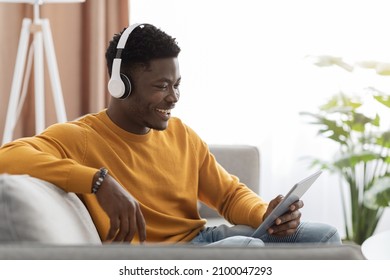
(245, 77)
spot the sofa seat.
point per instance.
(177, 252)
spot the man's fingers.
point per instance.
(114, 226)
(296, 205)
(285, 228)
(133, 228)
(284, 233)
(141, 225)
(274, 202)
(123, 229)
(288, 217)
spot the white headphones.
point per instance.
(119, 84)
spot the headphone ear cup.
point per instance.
(127, 83)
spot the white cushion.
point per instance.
(32, 210)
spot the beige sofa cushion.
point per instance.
(32, 210)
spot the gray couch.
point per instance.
(40, 221)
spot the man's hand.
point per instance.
(123, 210)
(288, 222)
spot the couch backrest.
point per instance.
(242, 161)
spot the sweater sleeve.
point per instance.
(56, 156)
(224, 192)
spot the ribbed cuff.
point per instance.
(256, 215)
(80, 179)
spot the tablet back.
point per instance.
(293, 195)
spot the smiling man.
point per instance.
(140, 171)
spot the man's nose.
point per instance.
(173, 95)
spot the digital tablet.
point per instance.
(293, 195)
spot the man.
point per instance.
(139, 171)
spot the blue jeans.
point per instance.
(240, 235)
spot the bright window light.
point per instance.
(247, 71)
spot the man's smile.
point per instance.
(164, 113)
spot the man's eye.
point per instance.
(176, 86)
(161, 86)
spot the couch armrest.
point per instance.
(33, 210)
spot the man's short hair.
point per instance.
(142, 46)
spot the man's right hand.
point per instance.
(123, 210)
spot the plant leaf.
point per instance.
(379, 194)
(376, 121)
(352, 159)
(324, 165)
(329, 128)
(334, 131)
(384, 99)
(332, 103)
(384, 139)
(359, 121)
(341, 102)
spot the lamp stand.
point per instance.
(42, 42)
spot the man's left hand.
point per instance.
(288, 223)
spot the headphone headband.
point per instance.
(125, 35)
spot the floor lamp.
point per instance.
(42, 43)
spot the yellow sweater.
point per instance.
(166, 171)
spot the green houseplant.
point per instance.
(362, 160)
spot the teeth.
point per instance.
(168, 111)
